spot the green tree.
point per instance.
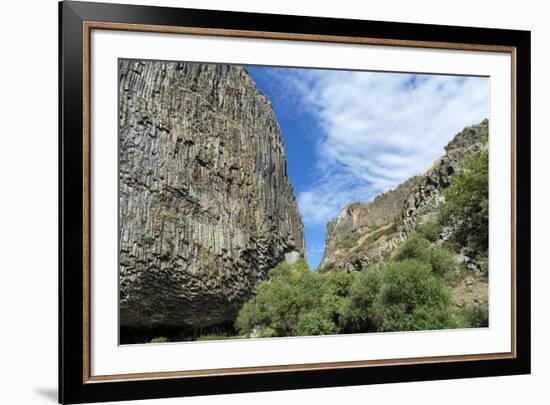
(275, 309)
(335, 290)
(313, 323)
(429, 230)
(466, 207)
(358, 312)
(295, 301)
(440, 260)
(412, 298)
(415, 247)
(476, 316)
(404, 294)
(290, 272)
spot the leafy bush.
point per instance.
(295, 301)
(315, 323)
(476, 316)
(264, 331)
(404, 294)
(290, 272)
(335, 288)
(466, 206)
(416, 247)
(275, 306)
(440, 260)
(326, 268)
(358, 313)
(277, 302)
(412, 298)
(429, 230)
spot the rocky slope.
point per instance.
(206, 207)
(367, 233)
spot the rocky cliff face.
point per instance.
(206, 208)
(367, 233)
(363, 232)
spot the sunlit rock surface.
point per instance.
(367, 233)
(206, 207)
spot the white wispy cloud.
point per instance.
(377, 129)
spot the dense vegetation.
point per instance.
(407, 293)
(411, 291)
(466, 207)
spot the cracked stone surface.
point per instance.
(205, 204)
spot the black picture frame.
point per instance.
(73, 384)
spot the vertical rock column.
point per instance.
(206, 207)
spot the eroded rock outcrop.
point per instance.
(206, 208)
(367, 233)
(364, 232)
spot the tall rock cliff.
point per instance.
(367, 233)
(206, 207)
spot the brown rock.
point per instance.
(367, 233)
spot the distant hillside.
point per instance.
(364, 234)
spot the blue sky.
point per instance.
(350, 136)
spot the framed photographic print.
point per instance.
(255, 202)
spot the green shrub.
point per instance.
(326, 268)
(416, 247)
(249, 316)
(358, 313)
(440, 260)
(338, 283)
(310, 290)
(295, 301)
(476, 316)
(412, 298)
(315, 323)
(290, 272)
(265, 331)
(335, 289)
(404, 294)
(429, 230)
(277, 302)
(466, 206)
